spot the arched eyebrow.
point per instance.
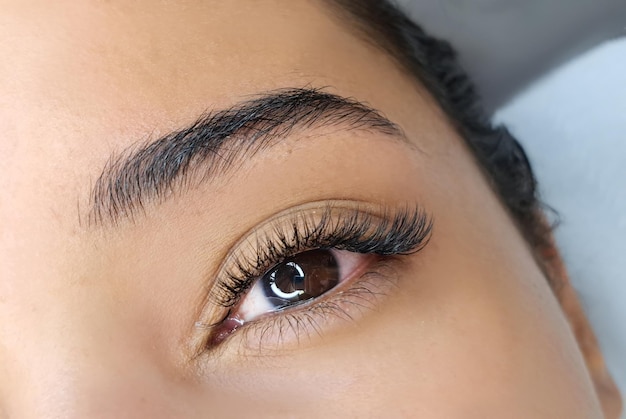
(216, 142)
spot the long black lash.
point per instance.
(406, 231)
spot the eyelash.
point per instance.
(394, 233)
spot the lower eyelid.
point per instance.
(286, 330)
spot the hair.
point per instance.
(434, 64)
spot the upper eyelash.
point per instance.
(394, 233)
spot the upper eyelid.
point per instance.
(335, 203)
(310, 232)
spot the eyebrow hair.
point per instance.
(214, 142)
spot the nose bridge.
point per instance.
(80, 378)
(70, 355)
(77, 338)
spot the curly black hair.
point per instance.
(433, 62)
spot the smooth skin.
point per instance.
(97, 321)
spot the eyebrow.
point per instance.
(218, 140)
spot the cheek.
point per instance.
(472, 331)
(449, 343)
(490, 324)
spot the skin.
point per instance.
(99, 322)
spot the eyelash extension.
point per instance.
(398, 232)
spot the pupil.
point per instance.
(300, 278)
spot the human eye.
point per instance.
(301, 269)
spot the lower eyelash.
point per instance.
(272, 334)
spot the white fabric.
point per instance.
(573, 125)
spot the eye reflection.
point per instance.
(300, 278)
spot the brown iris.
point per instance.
(301, 277)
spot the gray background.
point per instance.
(505, 44)
(573, 124)
(554, 71)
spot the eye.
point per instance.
(307, 269)
(295, 281)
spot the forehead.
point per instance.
(91, 77)
(90, 57)
(88, 79)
